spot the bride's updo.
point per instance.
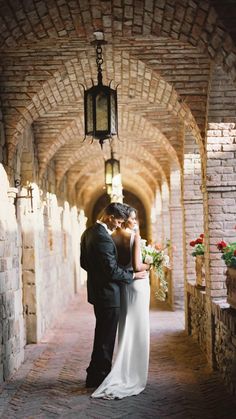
(128, 209)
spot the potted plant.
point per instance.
(229, 256)
(198, 253)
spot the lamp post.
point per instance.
(100, 102)
(113, 179)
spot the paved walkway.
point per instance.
(50, 384)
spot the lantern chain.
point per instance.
(99, 61)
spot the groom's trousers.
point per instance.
(103, 346)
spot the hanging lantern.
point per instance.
(113, 179)
(100, 102)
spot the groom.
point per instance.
(99, 259)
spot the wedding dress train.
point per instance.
(128, 376)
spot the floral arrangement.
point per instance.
(155, 255)
(198, 244)
(228, 253)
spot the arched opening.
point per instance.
(175, 65)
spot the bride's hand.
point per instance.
(148, 266)
(140, 275)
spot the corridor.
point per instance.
(50, 383)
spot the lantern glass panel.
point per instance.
(113, 112)
(116, 168)
(109, 189)
(108, 173)
(89, 105)
(101, 112)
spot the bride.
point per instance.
(128, 376)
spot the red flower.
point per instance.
(221, 245)
(192, 243)
(199, 241)
(202, 236)
(235, 252)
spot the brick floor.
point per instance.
(50, 384)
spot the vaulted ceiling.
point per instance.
(159, 52)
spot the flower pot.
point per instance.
(231, 286)
(200, 271)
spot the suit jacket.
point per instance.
(99, 258)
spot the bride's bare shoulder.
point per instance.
(121, 235)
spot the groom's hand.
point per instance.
(140, 275)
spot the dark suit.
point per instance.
(99, 259)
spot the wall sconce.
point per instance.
(29, 191)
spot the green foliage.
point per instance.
(199, 249)
(229, 255)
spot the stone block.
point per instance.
(9, 347)
(18, 305)
(2, 248)
(28, 237)
(4, 331)
(1, 372)
(14, 280)
(8, 367)
(8, 304)
(28, 258)
(2, 282)
(28, 277)
(19, 358)
(3, 233)
(31, 328)
(30, 298)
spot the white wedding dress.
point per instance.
(128, 376)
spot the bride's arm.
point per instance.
(136, 255)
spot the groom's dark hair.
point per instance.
(116, 209)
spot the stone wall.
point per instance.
(197, 315)
(223, 323)
(39, 266)
(225, 342)
(11, 311)
(50, 260)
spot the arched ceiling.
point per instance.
(161, 55)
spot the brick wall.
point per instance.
(209, 317)
(221, 174)
(2, 140)
(165, 193)
(192, 199)
(176, 237)
(156, 218)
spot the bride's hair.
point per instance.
(129, 210)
